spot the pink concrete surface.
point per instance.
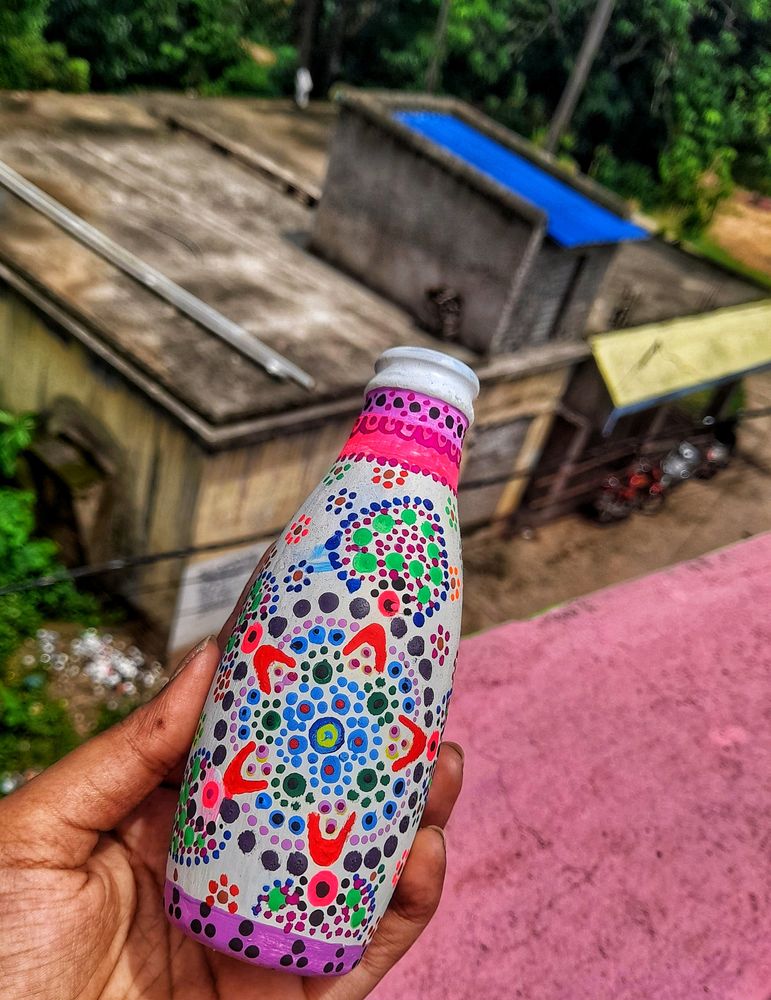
(614, 834)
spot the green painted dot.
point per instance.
(427, 529)
(362, 536)
(357, 916)
(416, 568)
(436, 574)
(394, 560)
(366, 779)
(364, 562)
(377, 703)
(424, 595)
(322, 672)
(409, 516)
(271, 720)
(383, 522)
(189, 836)
(196, 768)
(433, 550)
(294, 785)
(275, 899)
(353, 898)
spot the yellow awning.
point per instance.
(661, 361)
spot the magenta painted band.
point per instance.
(381, 439)
(251, 941)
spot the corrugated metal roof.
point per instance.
(573, 219)
(661, 361)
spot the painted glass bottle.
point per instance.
(313, 757)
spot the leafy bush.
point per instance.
(26, 59)
(24, 558)
(176, 43)
(629, 179)
(34, 730)
(250, 77)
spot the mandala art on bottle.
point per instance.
(314, 754)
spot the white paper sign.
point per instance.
(208, 592)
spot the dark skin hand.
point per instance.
(82, 866)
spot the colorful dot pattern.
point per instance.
(314, 756)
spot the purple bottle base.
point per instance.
(249, 941)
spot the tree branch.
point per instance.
(631, 54)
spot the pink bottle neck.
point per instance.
(407, 429)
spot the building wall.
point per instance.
(558, 295)
(405, 226)
(158, 465)
(253, 491)
(653, 281)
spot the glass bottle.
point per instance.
(312, 761)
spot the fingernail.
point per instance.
(441, 833)
(457, 748)
(192, 655)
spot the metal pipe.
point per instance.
(156, 282)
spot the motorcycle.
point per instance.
(644, 485)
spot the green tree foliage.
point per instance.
(176, 43)
(26, 58)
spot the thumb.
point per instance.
(62, 811)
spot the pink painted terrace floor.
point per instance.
(614, 834)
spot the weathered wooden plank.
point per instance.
(283, 178)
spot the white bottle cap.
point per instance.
(430, 372)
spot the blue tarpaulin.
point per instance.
(573, 220)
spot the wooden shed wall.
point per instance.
(159, 464)
(521, 411)
(254, 490)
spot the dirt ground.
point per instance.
(742, 226)
(520, 577)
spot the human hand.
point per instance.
(82, 867)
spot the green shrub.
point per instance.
(248, 77)
(629, 179)
(35, 730)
